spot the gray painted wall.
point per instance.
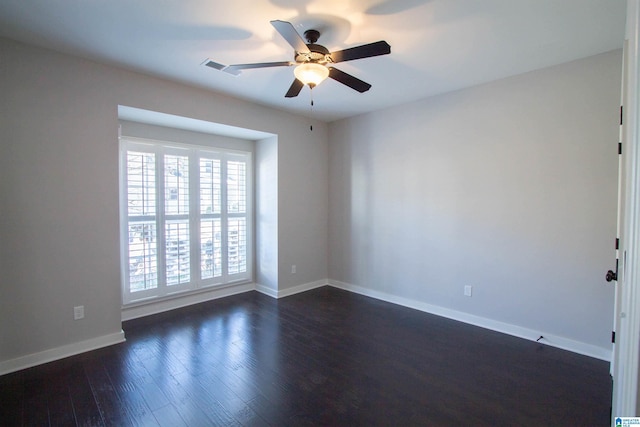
(509, 187)
(267, 213)
(59, 190)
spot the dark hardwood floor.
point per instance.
(324, 357)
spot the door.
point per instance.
(626, 350)
(615, 276)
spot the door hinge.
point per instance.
(617, 243)
(619, 147)
(621, 114)
(613, 337)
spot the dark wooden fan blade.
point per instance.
(260, 65)
(220, 67)
(236, 68)
(295, 89)
(364, 51)
(289, 33)
(348, 80)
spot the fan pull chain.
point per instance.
(311, 107)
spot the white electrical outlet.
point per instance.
(467, 290)
(78, 312)
(293, 269)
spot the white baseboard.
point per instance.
(57, 353)
(494, 325)
(50, 355)
(141, 310)
(266, 290)
(291, 291)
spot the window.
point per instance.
(186, 218)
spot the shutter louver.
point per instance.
(143, 272)
(237, 245)
(236, 187)
(141, 183)
(210, 186)
(176, 185)
(211, 249)
(177, 252)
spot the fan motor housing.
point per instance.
(319, 54)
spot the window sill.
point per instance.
(157, 305)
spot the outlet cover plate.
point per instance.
(78, 312)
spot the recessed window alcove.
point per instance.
(263, 146)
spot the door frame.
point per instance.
(626, 351)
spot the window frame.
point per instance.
(159, 149)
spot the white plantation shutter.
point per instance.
(176, 216)
(237, 245)
(141, 227)
(211, 248)
(143, 273)
(187, 219)
(236, 220)
(176, 185)
(177, 252)
(210, 186)
(141, 183)
(210, 217)
(236, 187)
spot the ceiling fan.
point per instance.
(313, 61)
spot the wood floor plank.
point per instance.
(137, 408)
(37, 408)
(204, 397)
(153, 395)
(323, 357)
(110, 407)
(59, 396)
(12, 398)
(168, 416)
(85, 408)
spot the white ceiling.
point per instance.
(436, 45)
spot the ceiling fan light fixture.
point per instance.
(311, 73)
